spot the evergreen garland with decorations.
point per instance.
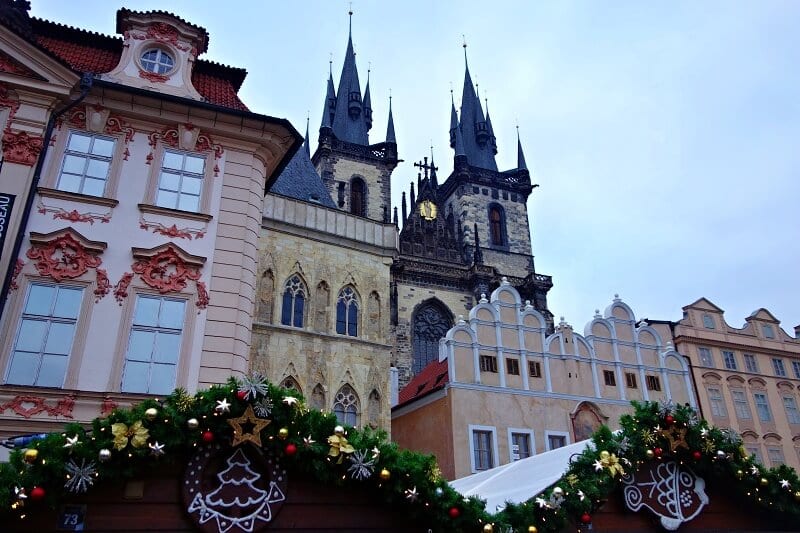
(312, 444)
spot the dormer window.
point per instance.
(157, 61)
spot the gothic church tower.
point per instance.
(461, 238)
(356, 174)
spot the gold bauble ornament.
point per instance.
(739, 474)
(151, 414)
(385, 475)
(797, 495)
(338, 430)
(764, 482)
(488, 528)
(533, 529)
(193, 423)
(650, 454)
(283, 433)
(31, 455)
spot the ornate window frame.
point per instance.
(92, 120)
(186, 138)
(15, 312)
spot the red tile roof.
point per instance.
(431, 378)
(86, 51)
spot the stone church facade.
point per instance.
(349, 306)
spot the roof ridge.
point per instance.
(115, 38)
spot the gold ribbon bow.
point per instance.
(339, 447)
(611, 461)
(137, 434)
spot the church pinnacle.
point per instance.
(476, 137)
(351, 116)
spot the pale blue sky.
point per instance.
(665, 136)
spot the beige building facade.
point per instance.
(136, 271)
(747, 378)
(337, 264)
(504, 389)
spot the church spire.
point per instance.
(390, 126)
(474, 135)
(434, 180)
(453, 120)
(367, 105)
(520, 155)
(492, 139)
(330, 100)
(349, 121)
(307, 142)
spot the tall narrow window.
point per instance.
(730, 359)
(775, 454)
(610, 378)
(345, 406)
(294, 302)
(181, 181)
(708, 321)
(482, 449)
(796, 368)
(750, 363)
(741, 405)
(44, 338)
(705, 357)
(87, 160)
(154, 345)
(762, 407)
(497, 225)
(430, 323)
(792, 414)
(358, 200)
(778, 367)
(717, 402)
(535, 369)
(769, 333)
(630, 380)
(347, 312)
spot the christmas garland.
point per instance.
(313, 444)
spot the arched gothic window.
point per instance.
(347, 312)
(290, 383)
(497, 225)
(345, 406)
(358, 197)
(294, 302)
(430, 323)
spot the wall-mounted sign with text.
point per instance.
(6, 205)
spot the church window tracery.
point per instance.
(345, 405)
(430, 323)
(294, 301)
(347, 312)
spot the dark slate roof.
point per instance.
(520, 155)
(299, 180)
(345, 127)
(390, 138)
(472, 113)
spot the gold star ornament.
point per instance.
(255, 426)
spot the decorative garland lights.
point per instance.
(251, 414)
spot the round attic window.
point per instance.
(157, 61)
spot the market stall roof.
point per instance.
(521, 480)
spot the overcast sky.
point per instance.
(665, 136)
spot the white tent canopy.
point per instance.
(521, 480)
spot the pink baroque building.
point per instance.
(132, 199)
(503, 389)
(747, 378)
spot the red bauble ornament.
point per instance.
(658, 451)
(669, 420)
(241, 395)
(37, 494)
(696, 455)
(290, 449)
(586, 518)
(208, 437)
(454, 512)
